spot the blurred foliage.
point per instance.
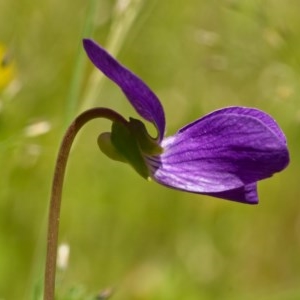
(140, 239)
(7, 67)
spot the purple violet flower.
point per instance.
(223, 154)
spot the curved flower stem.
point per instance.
(57, 186)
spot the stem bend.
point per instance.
(57, 187)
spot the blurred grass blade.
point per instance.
(124, 15)
(73, 98)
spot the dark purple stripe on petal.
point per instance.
(221, 152)
(246, 194)
(138, 93)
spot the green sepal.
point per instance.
(147, 144)
(106, 146)
(125, 143)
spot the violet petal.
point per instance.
(245, 194)
(138, 93)
(220, 152)
(247, 111)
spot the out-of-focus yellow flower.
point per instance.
(7, 67)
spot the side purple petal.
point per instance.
(219, 153)
(138, 93)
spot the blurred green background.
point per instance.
(139, 238)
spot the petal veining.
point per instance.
(220, 152)
(247, 111)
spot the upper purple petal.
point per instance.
(225, 150)
(248, 111)
(138, 93)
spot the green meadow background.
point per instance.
(139, 239)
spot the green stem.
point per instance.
(57, 187)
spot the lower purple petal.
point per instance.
(246, 194)
(221, 154)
